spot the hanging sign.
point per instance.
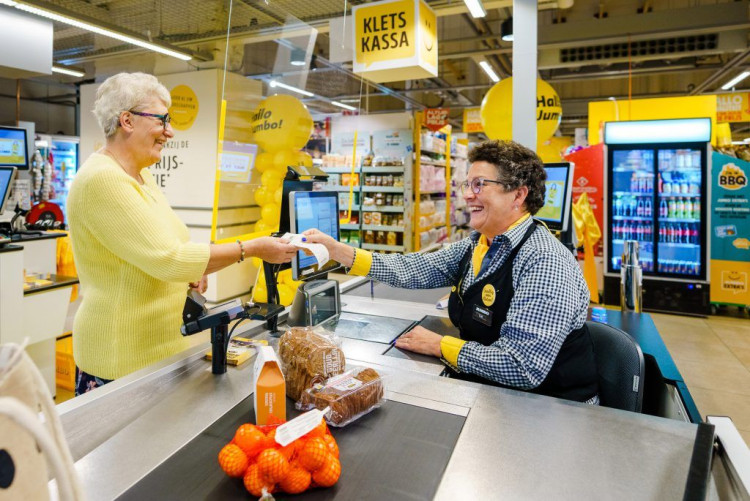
(435, 118)
(730, 238)
(473, 120)
(734, 107)
(395, 40)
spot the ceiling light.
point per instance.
(342, 105)
(490, 72)
(506, 30)
(78, 23)
(275, 83)
(735, 80)
(351, 100)
(67, 71)
(475, 8)
(297, 58)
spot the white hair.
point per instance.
(124, 92)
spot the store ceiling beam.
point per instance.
(721, 73)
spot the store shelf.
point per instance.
(432, 192)
(350, 226)
(328, 187)
(340, 170)
(383, 247)
(633, 193)
(383, 189)
(678, 220)
(383, 208)
(679, 245)
(679, 195)
(434, 164)
(381, 227)
(383, 168)
(631, 218)
(425, 150)
(433, 227)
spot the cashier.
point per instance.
(517, 294)
(133, 253)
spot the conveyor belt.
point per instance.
(398, 451)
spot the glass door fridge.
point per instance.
(656, 185)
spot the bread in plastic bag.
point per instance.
(306, 354)
(350, 395)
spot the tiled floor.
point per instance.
(713, 355)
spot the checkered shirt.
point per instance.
(550, 300)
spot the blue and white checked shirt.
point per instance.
(550, 300)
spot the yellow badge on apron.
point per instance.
(488, 295)
(453, 289)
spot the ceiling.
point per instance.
(592, 50)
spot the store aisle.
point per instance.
(713, 355)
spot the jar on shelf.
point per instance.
(379, 199)
(367, 217)
(369, 237)
(377, 218)
(389, 199)
(391, 238)
(380, 238)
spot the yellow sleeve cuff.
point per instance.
(450, 347)
(362, 263)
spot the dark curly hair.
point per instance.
(516, 166)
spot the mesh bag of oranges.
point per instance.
(257, 455)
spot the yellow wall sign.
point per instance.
(395, 40)
(184, 109)
(473, 120)
(730, 282)
(734, 107)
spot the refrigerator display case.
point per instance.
(62, 153)
(657, 187)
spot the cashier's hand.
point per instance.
(270, 249)
(420, 340)
(201, 285)
(339, 252)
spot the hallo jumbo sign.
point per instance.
(395, 40)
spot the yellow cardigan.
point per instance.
(134, 262)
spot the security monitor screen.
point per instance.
(557, 198)
(13, 147)
(313, 209)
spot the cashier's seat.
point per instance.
(620, 366)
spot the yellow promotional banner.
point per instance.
(473, 120)
(729, 282)
(734, 107)
(395, 40)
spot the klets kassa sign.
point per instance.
(395, 40)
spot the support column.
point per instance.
(524, 72)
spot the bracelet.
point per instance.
(242, 252)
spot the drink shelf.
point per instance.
(679, 245)
(633, 193)
(636, 168)
(678, 220)
(632, 218)
(680, 195)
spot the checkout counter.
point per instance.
(155, 434)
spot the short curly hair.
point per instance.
(516, 166)
(123, 92)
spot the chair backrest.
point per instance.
(619, 363)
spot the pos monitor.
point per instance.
(558, 197)
(13, 150)
(7, 174)
(313, 209)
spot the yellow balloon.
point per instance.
(264, 162)
(497, 110)
(281, 122)
(552, 149)
(285, 277)
(262, 226)
(270, 214)
(283, 159)
(262, 195)
(258, 263)
(304, 159)
(271, 179)
(277, 195)
(286, 294)
(260, 294)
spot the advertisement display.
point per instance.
(734, 107)
(730, 238)
(473, 120)
(589, 178)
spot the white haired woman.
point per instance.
(132, 252)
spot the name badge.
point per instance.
(482, 315)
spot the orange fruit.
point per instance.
(296, 481)
(313, 454)
(319, 431)
(250, 439)
(273, 420)
(233, 460)
(332, 445)
(273, 465)
(254, 481)
(290, 450)
(329, 473)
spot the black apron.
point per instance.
(573, 374)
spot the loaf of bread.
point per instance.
(308, 357)
(350, 396)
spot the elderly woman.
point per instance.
(518, 297)
(132, 252)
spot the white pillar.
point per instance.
(524, 72)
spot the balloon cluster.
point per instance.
(281, 126)
(286, 286)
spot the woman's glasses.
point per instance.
(477, 184)
(165, 118)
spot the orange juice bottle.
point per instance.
(269, 388)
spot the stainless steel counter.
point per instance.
(513, 445)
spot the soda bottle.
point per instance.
(649, 232)
(662, 233)
(650, 184)
(633, 206)
(672, 208)
(685, 233)
(680, 208)
(660, 184)
(638, 231)
(618, 207)
(688, 209)
(639, 209)
(633, 182)
(663, 211)
(616, 231)
(647, 208)
(697, 209)
(670, 233)
(694, 234)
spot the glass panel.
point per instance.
(633, 204)
(679, 185)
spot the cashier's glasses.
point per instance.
(165, 119)
(477, 184)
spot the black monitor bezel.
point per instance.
(25, 166)
(6, 195)
(563, 225)
(330, 265)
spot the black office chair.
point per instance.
(619, 363)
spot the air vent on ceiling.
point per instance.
(675, 45)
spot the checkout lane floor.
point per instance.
(712, 354)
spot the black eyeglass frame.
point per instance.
(477, 184)
(166, 119)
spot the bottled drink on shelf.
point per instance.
(660, 184)
(663, 210)
(649, 184)
(618, 207)
(647, 208)
(688, 209)
(694, 238)
(662, 233)
(697, 209)
(632, 207)
(634, 182)
(680, 208)
(672, 207)
(639, 208)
